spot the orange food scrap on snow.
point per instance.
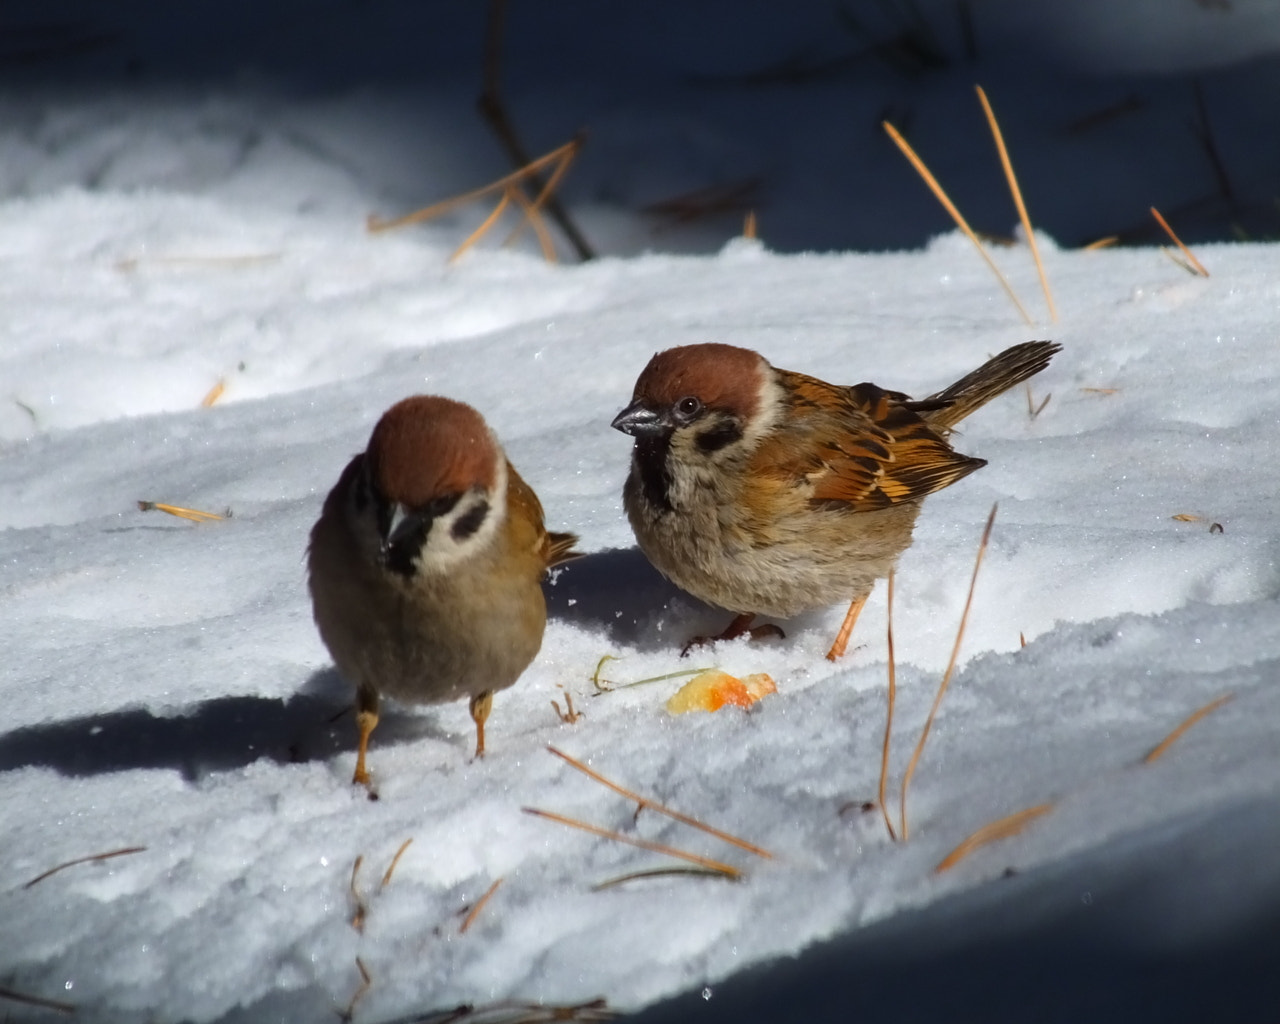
(713, 689)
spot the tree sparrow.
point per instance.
(425, 565)
(768, 492)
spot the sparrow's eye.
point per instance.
(688, 407)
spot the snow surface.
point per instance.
(164, 686)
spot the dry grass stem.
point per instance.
(1159, 749)
(470, 919)
(214, 394)
(195, 515)
(1101, 243)
(85, 860)
(636, 876)
(950, 207)
(888, 721)
(366, 982)
(361, 910)
(1017, 199)
(1191, 257)
(45, 1004)
(644, 844)
(1010, 825)
(608, 685)
(1101, 391)
(749, 229)
(644, 802)
(946, 676)
(386, 878)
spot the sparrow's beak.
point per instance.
(640, 421)
(402, 524)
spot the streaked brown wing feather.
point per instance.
(861, 447)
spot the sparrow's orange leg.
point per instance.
(481, 705)
(846, 628)
(741, 624)
(366, 722)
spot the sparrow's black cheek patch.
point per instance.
(720, 436)
(468, 523)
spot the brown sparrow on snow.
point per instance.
(426, 564)
(768, 492)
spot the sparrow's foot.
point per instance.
(740, 625)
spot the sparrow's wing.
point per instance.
(861, 447)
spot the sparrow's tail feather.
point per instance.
(994, 377)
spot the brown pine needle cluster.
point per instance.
(644, 803)
(85, 860)
(1014, 190)
(511, 192)
(194, 515)
(1192, 265)
(956, 216)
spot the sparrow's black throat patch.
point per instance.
(650, 455)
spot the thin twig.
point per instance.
(1191, 257)
(653, 805)
(84, 860)
(1017, 199)
(1009, 825)
(950, 207)
(643, 844)
(1159, 749)
(888, 722)
(386, 878)
(946, 677)
(479, 906)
